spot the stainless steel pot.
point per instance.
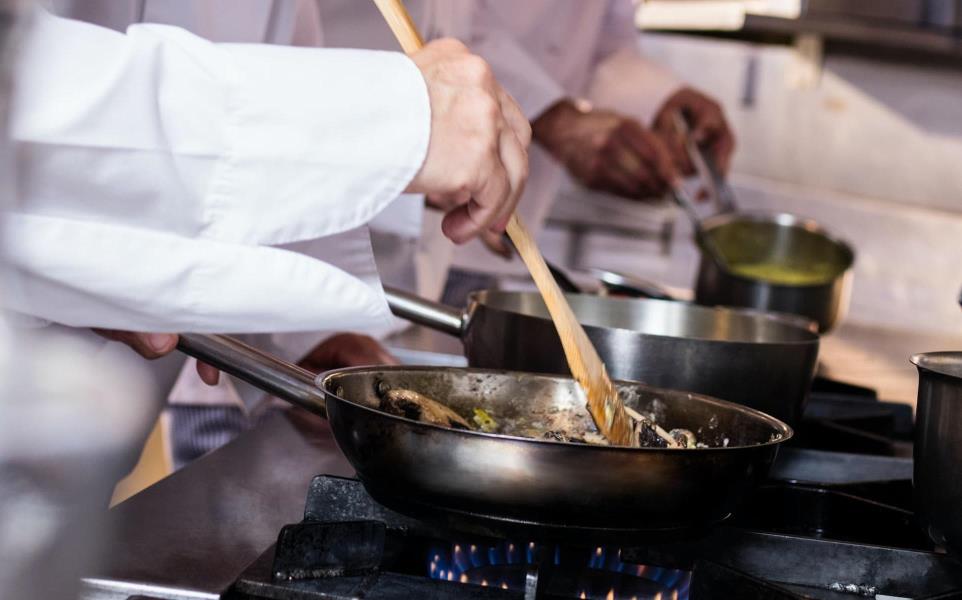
(938, 447)
(781, 239)
(748, 357)
(491, 483)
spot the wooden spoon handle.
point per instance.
(399, 20)
(606, 408)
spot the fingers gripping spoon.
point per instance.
(606, 408)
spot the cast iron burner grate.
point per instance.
(834, 523)
(349, 546)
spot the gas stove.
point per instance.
(834, 521)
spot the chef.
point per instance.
(202, 418)
(164, 180)
(599, 110)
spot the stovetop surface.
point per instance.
(828, 525)
(837, 512)
(789, 541)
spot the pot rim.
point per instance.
(808, 335)
(947, 363)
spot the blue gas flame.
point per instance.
(471, 563)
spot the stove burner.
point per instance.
(596, 572)
(447, 519)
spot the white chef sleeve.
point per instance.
(89, 274)
(254, 144)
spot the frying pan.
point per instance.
(744, 356)
(472, 477)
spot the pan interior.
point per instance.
(657, 317)
(520, 402)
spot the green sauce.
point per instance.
(786, 274)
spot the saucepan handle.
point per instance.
(724, 196)
(274, 376)
(416, 309)
(631, 285)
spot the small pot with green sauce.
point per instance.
(776, 262)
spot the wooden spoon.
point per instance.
(606, 408)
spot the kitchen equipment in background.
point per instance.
(776, 245)
(938, 447)
(769, 261)
(622, 284)
(747, 357)
(488, 482)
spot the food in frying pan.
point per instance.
(412, 405)
(557, 425)
(484, 421)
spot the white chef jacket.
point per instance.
(576, 49)
(161, 175)
(341, 23)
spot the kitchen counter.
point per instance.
(879, 358)
(191, 534)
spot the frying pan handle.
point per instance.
(416, 309)
(274, 376)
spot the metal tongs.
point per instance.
(709, 173)
(683, 200)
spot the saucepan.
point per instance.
(744, 356)
(938, 447)
(769, 261)
(502, 479)
(776, 262)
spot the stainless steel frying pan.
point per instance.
(469, 477)
(744, 356)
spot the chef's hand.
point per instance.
(606, 151)
(347, 350)
(708, 127)
(156, 345)
(477, 159)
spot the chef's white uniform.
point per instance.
(161, 176)
(203, 417)
(172, 184)
(576, 49)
